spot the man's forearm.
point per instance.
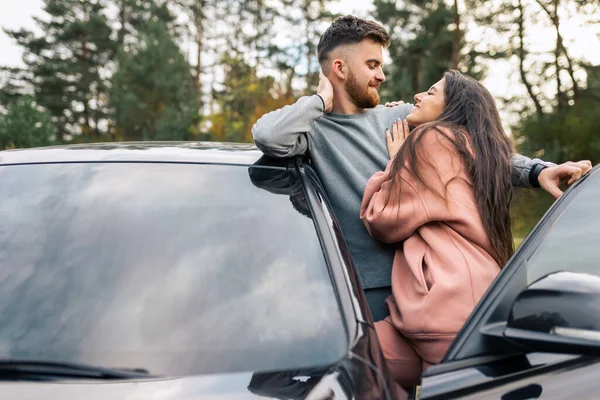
(283, 133)
(525, 171)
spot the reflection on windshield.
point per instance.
(289, 385)
(280, 181)
(179, 269)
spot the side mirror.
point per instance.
(558, 313)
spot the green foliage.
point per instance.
(65, 63)
(526, 209)
(14, 83)
(562, 136)
(570, 134)
(245, 97)
(421, 46)
(152, 90)
(135, 15)
(25, 124)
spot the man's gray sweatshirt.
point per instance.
(346, 151)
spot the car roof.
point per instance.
(192, 152)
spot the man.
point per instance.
(344, 131)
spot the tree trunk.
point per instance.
(576, 90)
(560, 49)
(258, 23)
(560, 96)
(199, 20)
(521, 53)
(97, 114)
(123, 21)
(306, 12)
(86, 129)
(456, 38)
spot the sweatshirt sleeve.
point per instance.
(521, 170)
(392, 214)
(283, 133)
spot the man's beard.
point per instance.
(360, 96)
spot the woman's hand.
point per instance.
(551, 177)
(394, 103)
(395, 138)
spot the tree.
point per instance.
(571, 134)
(25, 124)
(152, 90)
(135, 15)
(561, 124)
(552, 77)
(421, 46)
(214, 26)
(244, 98)
(566, 134)
(15, 82)
(304, 21)
(66, 64)
(202, 14)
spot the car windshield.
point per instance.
(175, 268)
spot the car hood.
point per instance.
(240, 386)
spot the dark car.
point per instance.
(177, 271)
(193, 271)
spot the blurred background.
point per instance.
(79, 71)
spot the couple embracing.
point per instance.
(420, 191)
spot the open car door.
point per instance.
(536, 332)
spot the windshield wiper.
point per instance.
(49, 370)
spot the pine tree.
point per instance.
(207, 22)
(67, 64)
(15, 82)
(25, 124)
(152, 90)
(422, 46)
(135, 15)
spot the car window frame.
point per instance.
(330, 237)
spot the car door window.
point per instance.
(573, 242)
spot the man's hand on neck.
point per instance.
(325, 90)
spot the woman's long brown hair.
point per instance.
(471, 114)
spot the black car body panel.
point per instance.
(359, 373)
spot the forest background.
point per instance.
(129, 70)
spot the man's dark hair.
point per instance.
(350, 30)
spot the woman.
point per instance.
(444, 198)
